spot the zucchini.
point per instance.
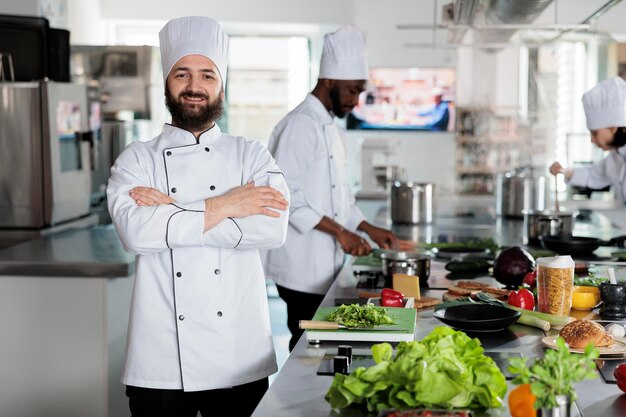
(467, 266)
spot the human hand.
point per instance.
(247, 200)
(353, 244)
(384, 238)
(556, 168)
(147, 196)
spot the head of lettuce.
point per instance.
(446, 359)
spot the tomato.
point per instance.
(522, 298)
(620, 376)
(521, 402)
(530, 279)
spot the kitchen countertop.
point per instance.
(298, 391)
(87, 252)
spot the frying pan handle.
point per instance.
(618, 241)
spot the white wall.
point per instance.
(387, 45)
(279, 11)
(426, 156)
(25, 7)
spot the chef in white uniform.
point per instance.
(195, 205)
(606, 119)
(324, 222)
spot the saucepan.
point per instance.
(578, 245)
(410, 263)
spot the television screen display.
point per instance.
(406, 99)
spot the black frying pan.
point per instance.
(577, 245)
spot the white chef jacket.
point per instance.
(610, 171)
(309, 147)
(199, 317)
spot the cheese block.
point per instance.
(409, 285)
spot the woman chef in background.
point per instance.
(606, 118)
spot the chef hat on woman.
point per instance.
(193, 35)
(604, 104)
(344, 56)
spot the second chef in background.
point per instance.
(606, 120)
(309, 148)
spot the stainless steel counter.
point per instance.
(298, 391)
(89, 252)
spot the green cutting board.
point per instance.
(404, 318)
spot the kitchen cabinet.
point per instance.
(64, 305)
(488, 143)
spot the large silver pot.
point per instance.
(518, 190)
(547, 223)
(411, 202)
(409, 263)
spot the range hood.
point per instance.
(494, 22)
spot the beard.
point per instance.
(338, 110)
(196, 117)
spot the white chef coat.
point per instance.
(610, 171)
(309, 147)
(199, 317)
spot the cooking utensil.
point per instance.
(577, 245)
(331, 325)
(477, 317)
(409, 263)
(518, 190)
(547, 223)
(402, 331)
(613, 300)
(411, 202)
(556, 192)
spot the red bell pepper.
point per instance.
(391, 298)
(523, 298)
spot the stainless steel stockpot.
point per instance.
(518, 190)
(411, 202)
(546, 223)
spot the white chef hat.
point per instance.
(193, 35)
(604, 104)
(343, 56)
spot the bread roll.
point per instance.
(578, 334)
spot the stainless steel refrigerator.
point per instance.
(45, 173)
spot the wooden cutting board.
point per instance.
(404, 317)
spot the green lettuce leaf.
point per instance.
(447, 359)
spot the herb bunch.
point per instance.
(356, 315)
(555, 373)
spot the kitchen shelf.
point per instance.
(488, 143)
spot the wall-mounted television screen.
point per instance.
(406, 99)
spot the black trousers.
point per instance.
(239, 401)
(300, 306)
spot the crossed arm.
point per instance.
(242, 201)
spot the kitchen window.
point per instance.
(267, 77)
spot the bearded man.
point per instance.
(195, 205)
(324, 222)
